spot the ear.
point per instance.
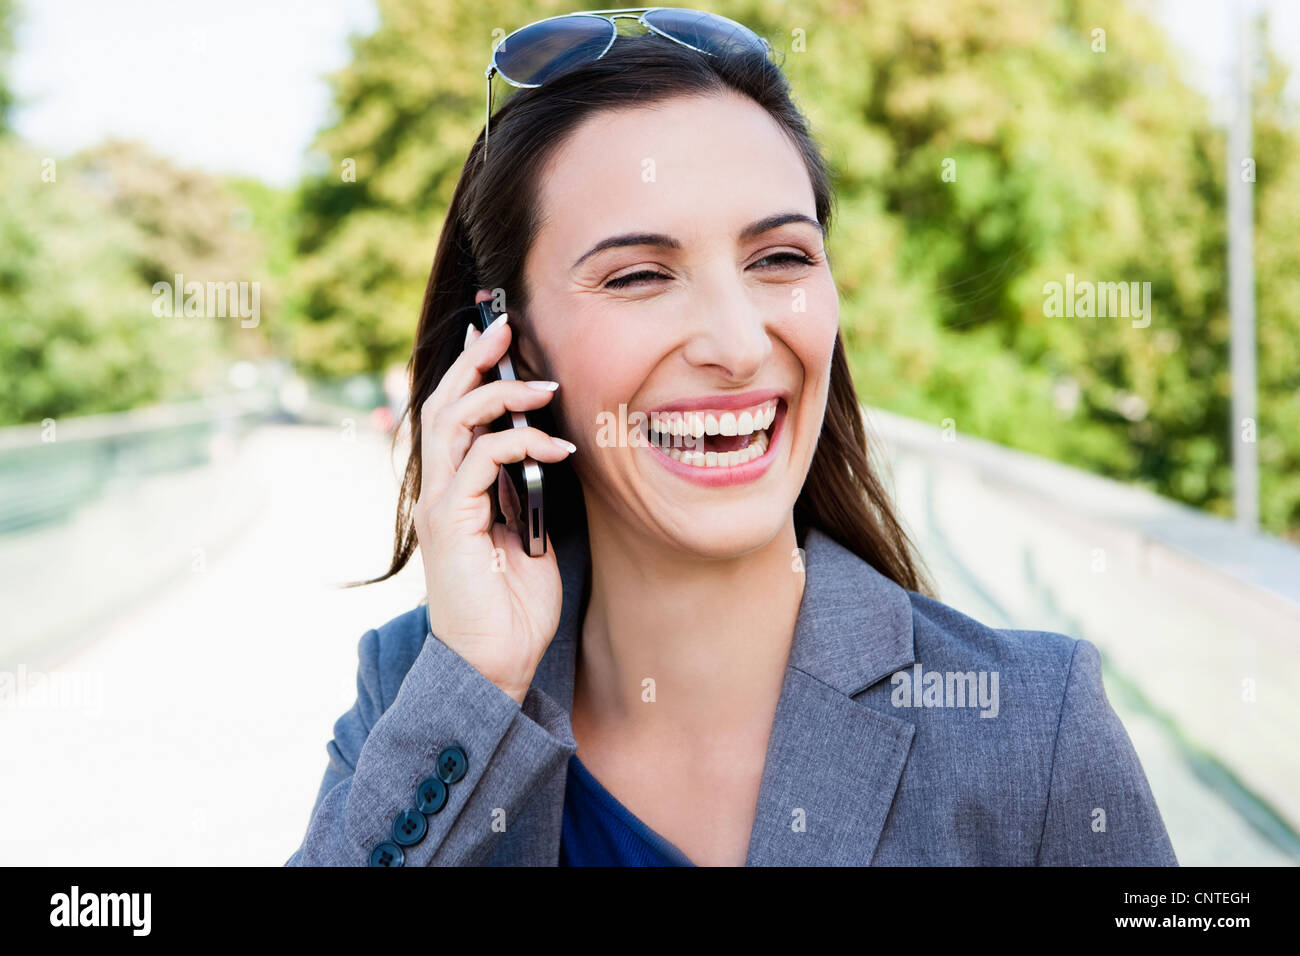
(528, 361)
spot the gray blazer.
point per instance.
(906, 734)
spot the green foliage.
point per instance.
(267, 217)
(82, 243)
(189, 222)
(409, 106)
(1070, 158)
(77, 331)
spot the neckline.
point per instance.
(662, 845)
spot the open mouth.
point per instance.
(715, 439)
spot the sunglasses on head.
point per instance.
(533, 54)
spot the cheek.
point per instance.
(596, 374)
(811, 334)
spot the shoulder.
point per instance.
(1057, 750)
(991, 697)
(1032, 660)
(1044, 676)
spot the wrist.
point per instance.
(514, 693)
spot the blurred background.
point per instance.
(218, 218)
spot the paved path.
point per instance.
(217, 695)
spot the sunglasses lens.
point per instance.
(540, 51)
(704, 31)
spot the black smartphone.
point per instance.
(528, 515)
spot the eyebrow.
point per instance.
(668, 242)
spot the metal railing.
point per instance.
(47, 470)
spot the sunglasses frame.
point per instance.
(610, 17)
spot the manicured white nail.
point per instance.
(499, 321)
(566, 445)
(543, 386)
(469, 335)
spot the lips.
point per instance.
(723, 403)
(717, 460)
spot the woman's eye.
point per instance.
(632, 278)
(778, 258)
(789, 257)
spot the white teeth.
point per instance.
(700, 424)
(696, 424)
(726, 459)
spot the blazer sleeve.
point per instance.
(1100, 809)
(379, 757)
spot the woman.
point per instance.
(727, 654)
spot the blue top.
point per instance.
(597, 830)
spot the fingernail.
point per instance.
(543, 386)
(499, 321)
(469, 335)
(566, 445)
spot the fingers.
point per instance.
(478, 472)
(450, 433)
(481, 352)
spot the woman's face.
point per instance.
(716, 320)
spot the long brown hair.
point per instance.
(491, 223)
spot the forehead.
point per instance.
(695, 167)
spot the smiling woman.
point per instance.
(698, 669)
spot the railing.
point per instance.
(1198, 621)
(48, 470)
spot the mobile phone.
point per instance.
(525, 476)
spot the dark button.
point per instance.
(452, 764)
(387, 854)
(409, 827)
(431, 796)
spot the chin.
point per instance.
(722, 535)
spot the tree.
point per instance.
(77, 333)
(82, 244)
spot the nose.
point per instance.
(729, 332)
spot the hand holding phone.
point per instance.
(489, 599)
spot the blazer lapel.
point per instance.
(833, 764)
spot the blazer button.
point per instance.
(387, 854)
(452, 764)
(431, 796)
(409, 827)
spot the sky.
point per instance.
(237, 86)
(231, 86)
